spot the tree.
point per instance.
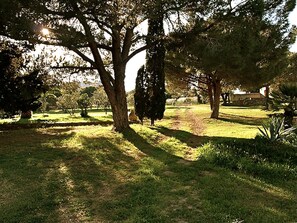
(20, 88)
(44, 100)
(84, 102)
(237, 42)
(155, 66)
(150, 82)
(140, 96)
(89, 90)
(70, 93)
(102, 33)
(100, 99)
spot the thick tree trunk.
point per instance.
(118, 101)
(216, 102)
(120, 117)
(152, 122)
(114, 86)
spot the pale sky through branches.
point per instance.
(139, 60)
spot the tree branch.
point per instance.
(83, 56)
(135, 52)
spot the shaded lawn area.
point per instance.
(168, 173)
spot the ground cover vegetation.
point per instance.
(186, 168)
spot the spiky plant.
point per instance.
(275, 130)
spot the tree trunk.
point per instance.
(120, 117)
(118, 100)
(267, 92)
(210, 94)
(152, 122)
(114, 87)
(26, 114)
(216, 102)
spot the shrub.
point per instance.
(275, 130)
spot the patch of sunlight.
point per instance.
(8, 193)
(174, 146)
(219, 128)
(268, 188)
(274, 211)
(73, 208)
(63, 169)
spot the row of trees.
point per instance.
(71, 97)
(221, 40)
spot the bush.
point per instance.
(275, 130)
(259, 157)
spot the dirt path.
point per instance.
(193, 137)
(188, 118)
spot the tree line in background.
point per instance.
(27, 88)
(210, 44)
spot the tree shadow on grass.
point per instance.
(44, 180)
(192, 184)
(245, 120)
(144, 146)
(189, 138)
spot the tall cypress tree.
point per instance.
(155, 67)
(140, 96)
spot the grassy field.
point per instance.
(96, 115)
(187, 168)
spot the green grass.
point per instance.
(95, 115)
(187, 168)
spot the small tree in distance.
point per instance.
(84, 102)
(70, 94)
(100, 99)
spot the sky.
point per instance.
(135, 63)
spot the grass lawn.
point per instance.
(187, 168)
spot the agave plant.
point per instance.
(286, 98)
(275, 130)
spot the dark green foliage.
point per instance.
(19, 92)
(150, 97)
(84, 102)
(275, 130)
(155, 70)
(140, 96)
(268, 160)
(89, 90)
(286, 98)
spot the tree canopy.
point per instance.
(102, 33)
(20, 88)
(239, 44)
